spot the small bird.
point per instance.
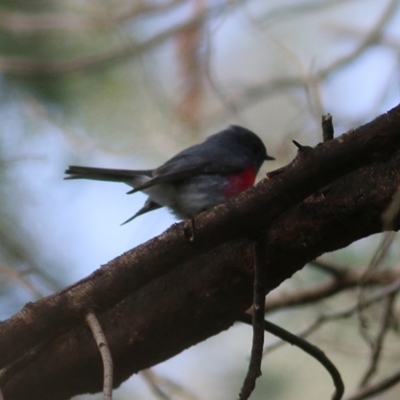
(197, 178)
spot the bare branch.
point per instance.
(259, 291)
(380, 294)
(253, 94)
(13, 274)
(33, 23)
(296, 9)
(149, 377)
(29, 66)
(158, 381)
(380, 337)
(217, 267)
(391, 212)
(382, 386)
(348, 279)
(310, 349)
(378, 257)
(102, 345)
(333, 270)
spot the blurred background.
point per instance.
(127, 84)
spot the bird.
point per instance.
(195, 179)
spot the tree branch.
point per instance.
(349, 279)
(371, 391)
(260, 278)
(203, 286)
(309, 348)
(105, 353)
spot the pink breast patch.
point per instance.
(240, 182)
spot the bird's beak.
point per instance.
(267, 157)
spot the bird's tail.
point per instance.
(131, 177)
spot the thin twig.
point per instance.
(149, 378)
(378, 257)
(13, 274)
(343, 314)
(337, 272)
(79, 21)
(278, 13)
(105, 353)
(390, 214)
(310, 349)
(380, 337)
(254, 370)
(380, 254)
(253, 94)
(379, 387)
(161, 385)
(33, 66)
(216, 88)
(348, 279)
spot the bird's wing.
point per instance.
(184, 166)
(149, 205)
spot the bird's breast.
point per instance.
(240, 182)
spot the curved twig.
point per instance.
(105, 353)
(310, 349)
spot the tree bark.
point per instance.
(169, 294)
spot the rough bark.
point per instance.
(169, 294)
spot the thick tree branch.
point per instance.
(251, 211)
(143, 295)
